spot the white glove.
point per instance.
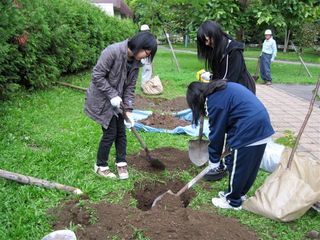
(116, 101)
(206, 76)
(131, 123)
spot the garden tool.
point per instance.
(155, 163)
(198, 149)
(189, 184)
(256, 74)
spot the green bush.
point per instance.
(40, 40)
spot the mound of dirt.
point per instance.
(174, 159)
(160, 104)
(146, 193)
(105, 221)
(164, 121)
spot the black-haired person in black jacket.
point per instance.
(223, 57)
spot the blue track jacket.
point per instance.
(239, 113)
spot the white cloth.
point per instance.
(146, 71)
(270, 47)
(260, 142)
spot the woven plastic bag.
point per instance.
(153, 86)
(288, 193)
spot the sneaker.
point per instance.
(216, 174)
(122, 168)
(104, 172)
(223, 203)
(268, 83)
(222, 194)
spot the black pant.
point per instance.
(243, 166)
(116, 132)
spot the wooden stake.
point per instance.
(304, 123)
(72, 86)
(170, 45)
(38, 182)
(301, 60)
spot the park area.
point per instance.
(45, 134)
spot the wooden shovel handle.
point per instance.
(199, 176)
(134, 130)
(38, 182)
(201, 127)
(193, 181)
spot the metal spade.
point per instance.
(198, 149)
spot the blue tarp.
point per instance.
(184, 115)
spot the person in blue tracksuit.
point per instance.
(234, 110)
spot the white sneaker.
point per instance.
(223, 203)
(104, 172)
(222, 194)
(122, 168)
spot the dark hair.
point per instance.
(211, 54)
(143, 41)
(197, 93)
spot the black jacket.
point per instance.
(233, 67)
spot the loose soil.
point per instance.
(160, 104)
(164, 121)
(104, 221)
(146, 193)
(174, 159)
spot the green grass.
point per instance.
(46, 135)
(309, 55)
(281, 73)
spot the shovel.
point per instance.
(198, 149)
(189, 184)
(256, 75)
(155, 163)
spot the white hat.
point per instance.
(144, 27)
(268, 32)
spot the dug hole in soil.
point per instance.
(164, 121)
(160, 104)
(174, 159)
(169, 219)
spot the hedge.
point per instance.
(42, 39)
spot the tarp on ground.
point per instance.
(184, 115)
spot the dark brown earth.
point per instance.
(174, 159)
(167, 220)
(145, 193)
(160, 104)
(164, 121)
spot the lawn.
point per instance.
(309, 55)
(46, 135)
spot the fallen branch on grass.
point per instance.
(38, 182)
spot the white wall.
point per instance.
(106, 7)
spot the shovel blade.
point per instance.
(157, 199)
(198, 152)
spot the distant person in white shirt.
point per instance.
(268, 54)
(147, 67)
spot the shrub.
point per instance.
(40, 40)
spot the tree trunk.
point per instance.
(286, 39)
